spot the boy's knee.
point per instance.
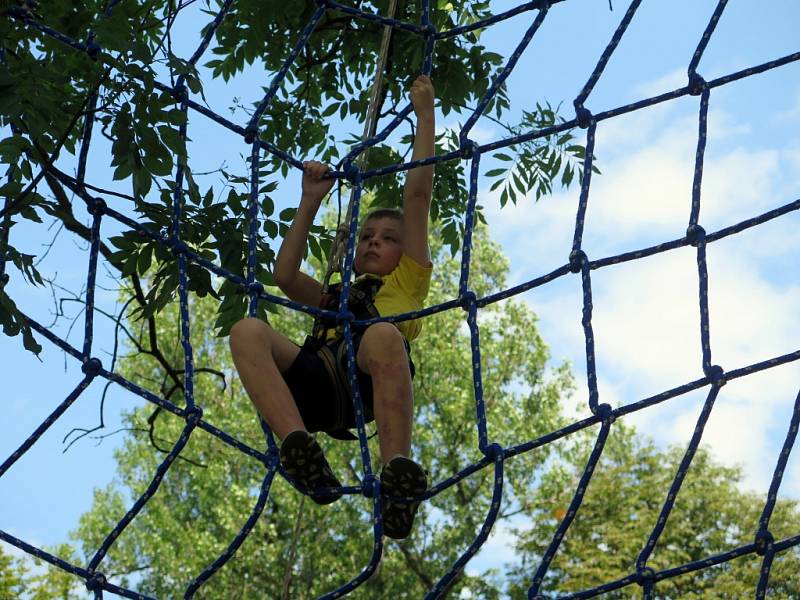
(384, 336)
(247, 331)
(383, 344)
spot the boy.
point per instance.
(293, 389)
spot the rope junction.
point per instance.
(494, 455)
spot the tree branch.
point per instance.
(296, 530)
(413, 564)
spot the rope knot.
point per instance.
(345, 317)
(583, 116)
(250, 134)
(605, 412)
(96, 582)
(368, 487)
(352, 173)
(764, 541)
(696, 84)
(93, 49)
(493, 451)
(96, 206)
(468, 299)
(695, 235)
(576, 260)
(92, 367)
(716, 375)
(429, 30)
(193, 414)
(645, 575)
(180, 93)
(468, 148)
(255, 288)
(176, 246)
(273, 458)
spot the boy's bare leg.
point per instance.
(382, 355)
(261, 354)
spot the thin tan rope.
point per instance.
(339, 247)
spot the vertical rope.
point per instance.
(339, 247)
(252, 238)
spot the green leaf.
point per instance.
(331, 109)
(176, 117)
(144, 260)
(29, 342)
(267, 206)
(287, 214)
(171, 137)
(271, 228)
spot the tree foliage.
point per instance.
(11, 576)
(711, 515)
(49, 91)
(298, 549)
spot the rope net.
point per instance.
(494, 455)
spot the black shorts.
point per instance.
(314, 390)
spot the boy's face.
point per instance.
(380, 246)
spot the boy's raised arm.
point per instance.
(295, 284)
(419, 182)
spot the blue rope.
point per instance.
(493, 453)
(505, 72)
(581, 113)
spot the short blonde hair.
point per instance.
(384, 213)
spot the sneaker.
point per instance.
(401, 477)
(303, 461)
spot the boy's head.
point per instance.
(380, 242)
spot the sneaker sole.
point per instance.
(401, 477)
(303, 461)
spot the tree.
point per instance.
(300, 550)
(53, 583)
(49, 91)
(11, 576)
(712, 514)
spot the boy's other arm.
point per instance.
(419, 182)
(295, 284)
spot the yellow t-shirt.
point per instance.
(404, 290)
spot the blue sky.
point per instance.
(646, 320)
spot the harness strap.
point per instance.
(333, 352)
(334, 357)
(360, 301)
(340, 384)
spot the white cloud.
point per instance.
(483, 134)
(737, 186)
(646, 320)
(792, 114)
(650, 191)
(496, 551)
(792, 157)
(666, 83)
(480, 133)
(646, 312)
